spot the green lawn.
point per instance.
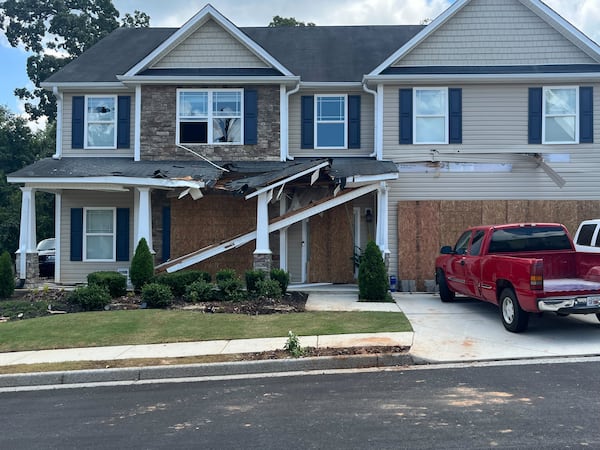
(159, 326)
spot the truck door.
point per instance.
(456, 275)
(472, 263)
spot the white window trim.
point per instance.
(316, 136)
(86, 123)
(446, 116)
(210, 117)
(114, 234)
(544, 90)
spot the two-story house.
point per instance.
(291, 147)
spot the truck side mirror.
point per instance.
(446, 250)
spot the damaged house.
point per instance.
(236, 147)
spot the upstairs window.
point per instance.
(100, 122)
(331, 126)
(560, 113)
(430, 116)
(99, 240)
(209, 116)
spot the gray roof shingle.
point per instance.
(317, 54)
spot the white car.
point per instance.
(587, 238)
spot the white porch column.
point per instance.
(283, 245)
(381, 237)
(57, 237)
(262, 254)
(27, 235)
(144, 217)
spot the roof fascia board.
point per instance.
(140, 79)
(482, 78)
(112, 181)
(287, 180)
(331, 85)
(421, 36)
(564, 27)
(86, 85)
(206, 13)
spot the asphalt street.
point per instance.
(518, 406)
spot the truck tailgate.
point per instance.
(570, 284)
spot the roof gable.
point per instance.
(496, 33)
(191, 37)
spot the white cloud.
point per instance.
(583, 14)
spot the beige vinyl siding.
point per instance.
(367, 125)
(76, 271)
(210, 46)
(495, 32)
(495, 130)
(67, 149)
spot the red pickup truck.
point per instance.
(522, 268)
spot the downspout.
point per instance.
(59, 122)
(376, 152)
(285, 119)
(137, 147)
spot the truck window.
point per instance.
(585, 234)
(463, 243)
(529, 239)
(476, 243)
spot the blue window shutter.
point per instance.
(166, 233)
(586, 115)
(308, 121)
(455, 116)
(76, 234)
(250, 117)
(354, 121)
(122, 234)
(77, 121)
(406, 116)
(123, 121)
(535, 115)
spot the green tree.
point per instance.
(7, 276)
(279, 21)
(56, 32)
(372, 275)
(19, 147)
(142, 266)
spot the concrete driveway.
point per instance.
(470, 330)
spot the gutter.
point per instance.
(375, 118)
(286, 115)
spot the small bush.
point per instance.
(29, 309)
(142, 266)
(372, 275)
(179, 281)
(292, 345)
(282, 277)
(253, 277)
(230, 289)
(157, 295)
(200, 291)
(114, 282)
(225, 274)
(90, 298)
(269, 288)
(7, 276)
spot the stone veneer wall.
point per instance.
(158, 128)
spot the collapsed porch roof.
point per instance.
(237, 177)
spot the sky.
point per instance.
(584, 14)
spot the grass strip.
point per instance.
(158, 326)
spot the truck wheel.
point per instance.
(446, 295)
(513, 317)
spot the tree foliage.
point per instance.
(142, 266)
(56, 32)
(279, 21)
(372, 275)
(19, 147)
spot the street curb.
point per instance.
(75, 377)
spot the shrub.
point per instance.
(372, 275)
(230, 287)
(179, 281)
(200, 291)
(269, 288)
(253, 277)
(282, 277)
(157, 295)
(7, 276)
(114, 282)
(225, 274)
(90, 298)
(142, 266)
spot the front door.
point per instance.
(297, 242)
